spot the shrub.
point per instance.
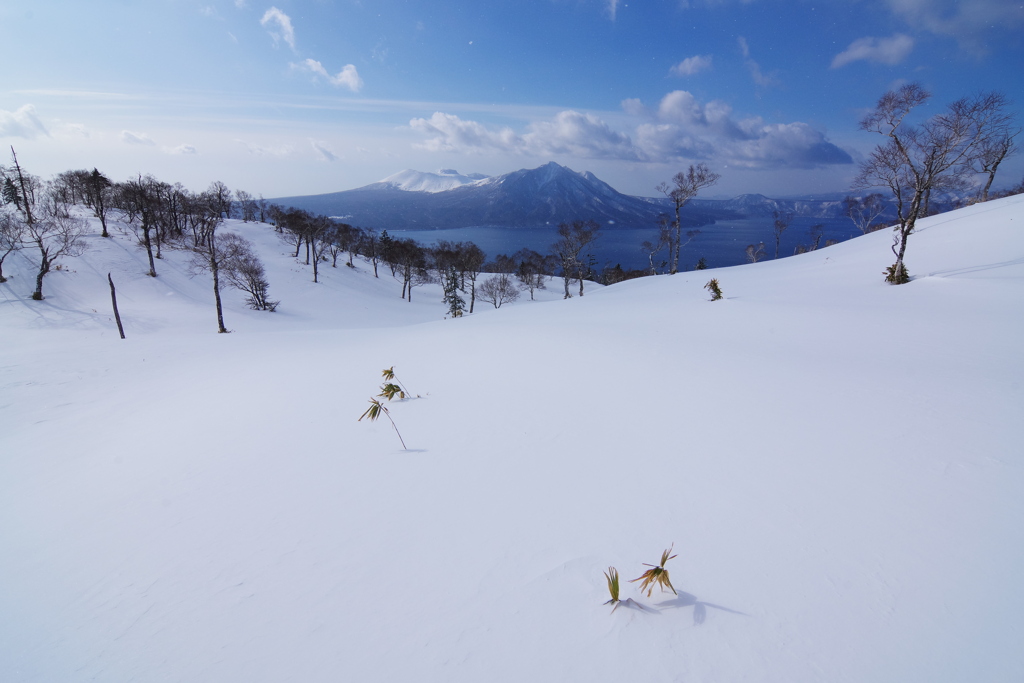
(716, 291)
(897, 277)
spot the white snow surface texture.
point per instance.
(837, 461)
(437, 181)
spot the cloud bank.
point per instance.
(679, 128)
(969, 21)
(22, 123)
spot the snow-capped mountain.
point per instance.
(546, 195)
(438, 181)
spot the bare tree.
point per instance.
(51, 228)
(917, 159)
(817, 232)
(247, 205)
(411, 264)
(12, 234)
(533, 268)
(683, 188)
(97, 192)
(755, 252)
(781, 221)
(318, 239)
(573, 239)
(863, 211)
(499, 289)
(55, 233)
(471, 262)
(220, 198)
(210, 254)
(992, 153)
(652, 248)
(369, 246)
(262, 209)
(244, 271)
(294, 227)
(140, 199)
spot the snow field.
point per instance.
(837, 461)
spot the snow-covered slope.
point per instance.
(838, 463)
(438, 181)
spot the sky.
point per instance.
(304, 97)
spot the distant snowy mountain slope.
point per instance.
(439, 181)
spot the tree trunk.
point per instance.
(149, 249)
(679, 238)
(215, 269)
(101, 213)
(991, 177)
(113, 301)
(44, 268)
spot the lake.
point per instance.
(721, 244)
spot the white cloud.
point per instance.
(279, 25)
(613, 6)
(323, 150)
(77, 129)
(241, 4)
(131, 138)
(680, 128)
(582, 135)
(969, 21)
(634, 107)
(569, 132)
(262, 151)
(181, 149)
(689, 129)
(892, 50)
(449, 133)
(347, 77)
(760, 78)
(692, 65)
(22, 123)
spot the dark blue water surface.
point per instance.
(721, 244)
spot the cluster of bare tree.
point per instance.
(36, 217)
(161, 216)
(457, 266)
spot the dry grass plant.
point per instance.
(388, 390)
(612, 575)
(656, 575)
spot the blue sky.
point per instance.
(302, 97)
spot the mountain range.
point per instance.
(548, 195)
